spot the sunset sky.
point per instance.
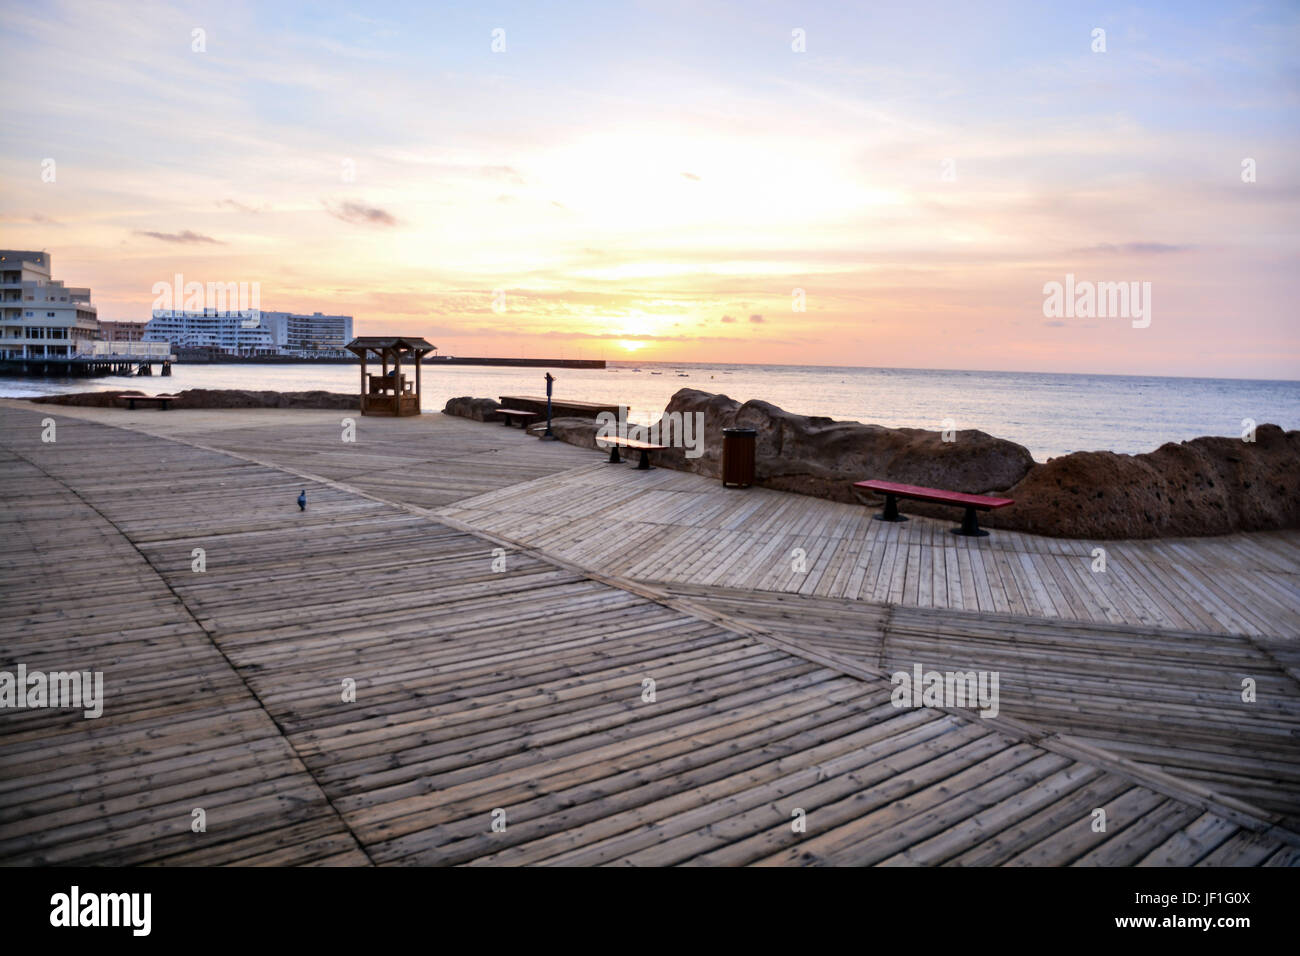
(653, 180)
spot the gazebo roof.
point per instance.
(388, 343)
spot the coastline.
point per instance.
(1205, 486)
(1049, 415)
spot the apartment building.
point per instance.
(308, 335)
(40, 317)
(252, 331)
(111, 331)
(238, 332)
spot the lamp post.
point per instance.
(548, 435)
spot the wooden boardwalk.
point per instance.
(679, 528)
(515, 696)
(1169, 700)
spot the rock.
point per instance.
(576, 431)
(86, 399)
(1208, 485)
(823, 457)
(479, 409)
(215, 398)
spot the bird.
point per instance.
(302, 500)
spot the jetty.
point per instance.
(473, 647)
(86, 366)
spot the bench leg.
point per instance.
(644, 463)
(505, 420)
(891, 510)
(970, 526)
(614, 458)
(130, 404)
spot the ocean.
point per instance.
(1050, 414)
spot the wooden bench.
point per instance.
(510, 414)
(162, 400)
(644, 447)
(970, 525)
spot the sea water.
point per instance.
(1051, 414)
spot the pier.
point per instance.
(498, 605)
(85, 366)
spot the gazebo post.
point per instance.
(363, 381)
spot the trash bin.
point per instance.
(738, 457)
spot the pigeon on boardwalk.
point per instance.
(302, 500)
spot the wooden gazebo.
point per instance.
(389, 393)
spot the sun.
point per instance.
(630, 345)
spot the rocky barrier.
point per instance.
(1204, 486)
(479, 409)
(1208, 485)
(214, 398)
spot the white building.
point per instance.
(251, 331)
(307, 335)
(40, 316)
(236, 332)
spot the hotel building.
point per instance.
(237, 332)
(252, 332)
(40, 317)
(111, 331)
(307, 335)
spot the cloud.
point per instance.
(36, 217)
(727, 318)
(185, 238)
(356, 212)
(756, 319)
(508, 173)
(239, 206)
(691, 176)
(1133, 248)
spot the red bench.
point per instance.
(969, 525)
(635, 444)
(161, 400)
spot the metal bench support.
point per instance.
(970, 526)
(891, 510)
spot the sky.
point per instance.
(884, 184)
